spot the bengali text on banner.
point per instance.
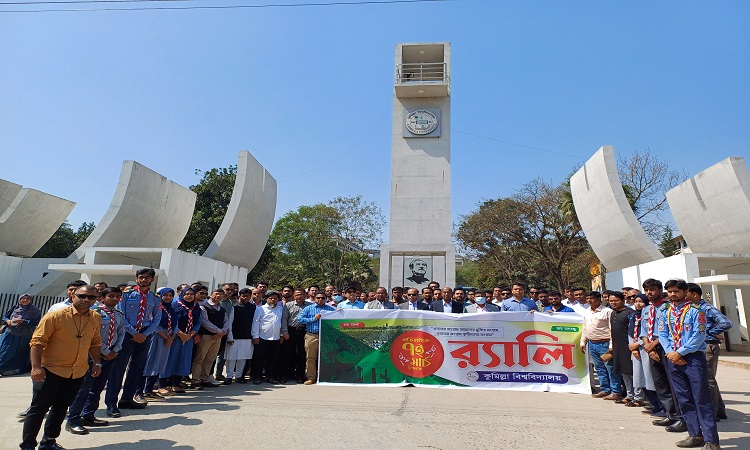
(507, 350)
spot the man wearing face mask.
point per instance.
(480, 305)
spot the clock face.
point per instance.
(421, 122)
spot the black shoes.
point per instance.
(93, 422)
(76, 428)
(113, 411)
(125, 404)
(257, 381)
(663, 422)
(677, 427)
(241, 380)
(691, 442)
(721, 415)
(227, 382)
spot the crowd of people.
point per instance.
(656, 351)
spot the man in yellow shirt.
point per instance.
(60, 347)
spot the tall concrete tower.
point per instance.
(420, 247)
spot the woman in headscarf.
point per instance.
(158, 352)
(20, 322)
(643, 381)
(187, 314)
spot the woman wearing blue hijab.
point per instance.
(20, 322)
(158, 352)
(188, 318)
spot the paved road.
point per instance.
(328, 417)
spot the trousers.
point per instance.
(690, 383)
(132, 358)
(54, 394)
(712, 358)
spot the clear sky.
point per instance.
(308, 91)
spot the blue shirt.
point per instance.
(307, 317)
(563, 309)
(717, 324)
(346, 304)
(130, 303)
(104, 330)
(692, 335)
(511, 304)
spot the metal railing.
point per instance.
(421, 72)
(42, 302)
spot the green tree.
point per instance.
(322, 244)
(65, 241)
(526, 237)
(668, 246)
(213, 193)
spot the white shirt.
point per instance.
(267, 322)
(481, 310)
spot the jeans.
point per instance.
(609, 381)
(54, 394)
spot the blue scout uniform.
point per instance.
(682, 329)
(87, 400)
(133, 355)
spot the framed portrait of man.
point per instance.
(417, 271)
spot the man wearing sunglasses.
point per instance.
(413, 303)
(58, 366)
(142, 317)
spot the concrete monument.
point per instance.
(605, 215)
(420, 216)
(28, 218)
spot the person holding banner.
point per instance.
(310, 317)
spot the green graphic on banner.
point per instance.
(493, 351)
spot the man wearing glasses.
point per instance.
(413, 303)
(630, 297)
(351, 302)
(58, 366)
(142, 317)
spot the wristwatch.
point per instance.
(97, 365)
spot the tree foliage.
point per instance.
(213, 193)
(668, 246)
(65, 241)
(526, 237)
(322, 244)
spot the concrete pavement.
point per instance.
(331, 417)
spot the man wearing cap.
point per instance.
(270, 329)
(413, 303)
(352, 302)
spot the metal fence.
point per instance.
(420, 72)
(42, 302)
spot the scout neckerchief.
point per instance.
(190, 315)
(169, 318)
(636, 326)
(678, 315)
(111, 332)
(651, 318)
(141, 308)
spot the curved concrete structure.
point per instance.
(604, 213)
(712, 209)
(30, 220)
(247, 223)
(147, 210)
(8, 193)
